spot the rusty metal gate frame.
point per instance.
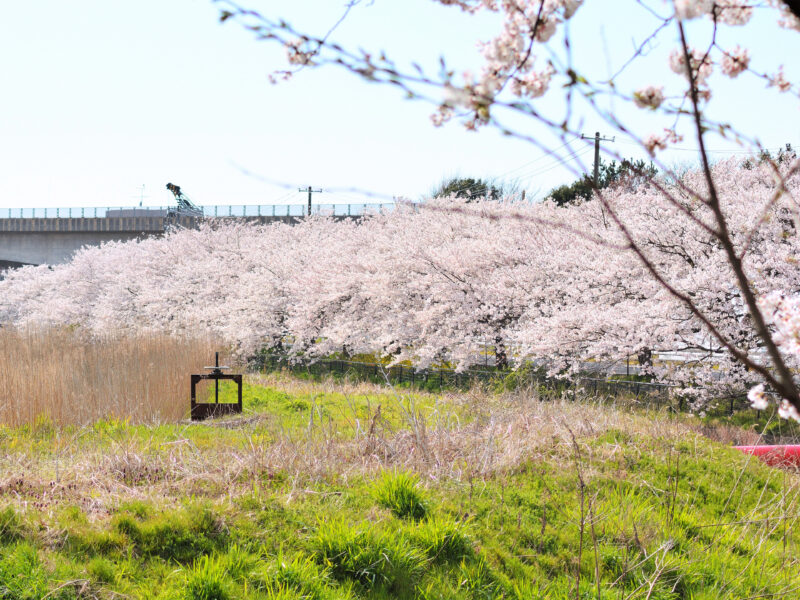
(201, 411)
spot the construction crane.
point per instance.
(185, 206)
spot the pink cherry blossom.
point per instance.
(649, 97)
(735, 61)
(447, 279)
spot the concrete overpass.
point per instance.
(52, 236)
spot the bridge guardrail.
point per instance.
(210, 211)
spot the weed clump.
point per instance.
(179, 536)
(478, 580)
(11, 528)
(399, 492)
(22, 575)
(207, 580)
(301, 577)
(373, 559)
(101, 569)
(443, 541)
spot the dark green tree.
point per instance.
(472, 189)
(629, 172)
(783, 155)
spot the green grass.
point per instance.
(764, 427)
(200, 512)
(10, 525)
(280, 407)
(339, 411)
(175, 536)
(399, 492)
(208, 579)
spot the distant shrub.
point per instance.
(399, 492)
(523, 377)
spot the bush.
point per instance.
(399, 493)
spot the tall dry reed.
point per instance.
(67, 377)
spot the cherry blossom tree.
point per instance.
(521, 65)
(441, 281)
(703, 264)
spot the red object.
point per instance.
(776, 456)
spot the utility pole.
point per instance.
(141, 195)
(310, 191)
(597, 140)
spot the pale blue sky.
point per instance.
(100, 97)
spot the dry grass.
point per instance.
(468, 436)
(288, 382)
(61, 376)
(502, 433)
(594, 461)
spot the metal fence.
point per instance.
(437, 379)
(433, 379)
(211, 211)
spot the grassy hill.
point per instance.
(324, 490)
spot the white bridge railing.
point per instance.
(226, 210)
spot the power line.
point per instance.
(728, 151)
(535, 160)
(560, 161)
(284, 197)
